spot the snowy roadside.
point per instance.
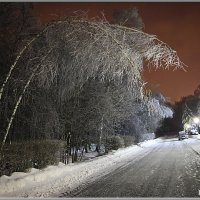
(54, 180)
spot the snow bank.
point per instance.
(149, 143)
(55, 180)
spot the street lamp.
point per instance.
(196, 120)
(188, 126)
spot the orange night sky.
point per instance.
(177, 24)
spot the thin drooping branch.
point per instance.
(21, 53)
(14, 112)
(16, 60)
(19, 101)
(178, 63)
(106, 27)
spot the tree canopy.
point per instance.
(84, 75)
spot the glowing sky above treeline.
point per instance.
(177, 24)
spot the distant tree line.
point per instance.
(184, 110)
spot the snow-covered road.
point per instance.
(162, 168)
(167, 168)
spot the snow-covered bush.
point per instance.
(128, 140)
(114, 142)
(147, 136)
(20, 156)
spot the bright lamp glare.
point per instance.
(196, 120)
(188, 126)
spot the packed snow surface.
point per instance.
(54, 180)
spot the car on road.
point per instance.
(193, 132)
(182, 135)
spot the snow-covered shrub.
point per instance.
(147, 136)
(114, 142)
(44, 153)
(20, 156)
(16, 158)
(128, 140)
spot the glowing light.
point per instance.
(196, 120)
(188, 126)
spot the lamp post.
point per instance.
(196, 121)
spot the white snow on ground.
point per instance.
(53, 180)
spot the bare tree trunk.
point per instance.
(86, 148)
(17, 105)
(82, 152)
(14, 112)
(73, 154)
(64, 156)
(100, 135)
(68, 147)
(72, 146)
(106, 144)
